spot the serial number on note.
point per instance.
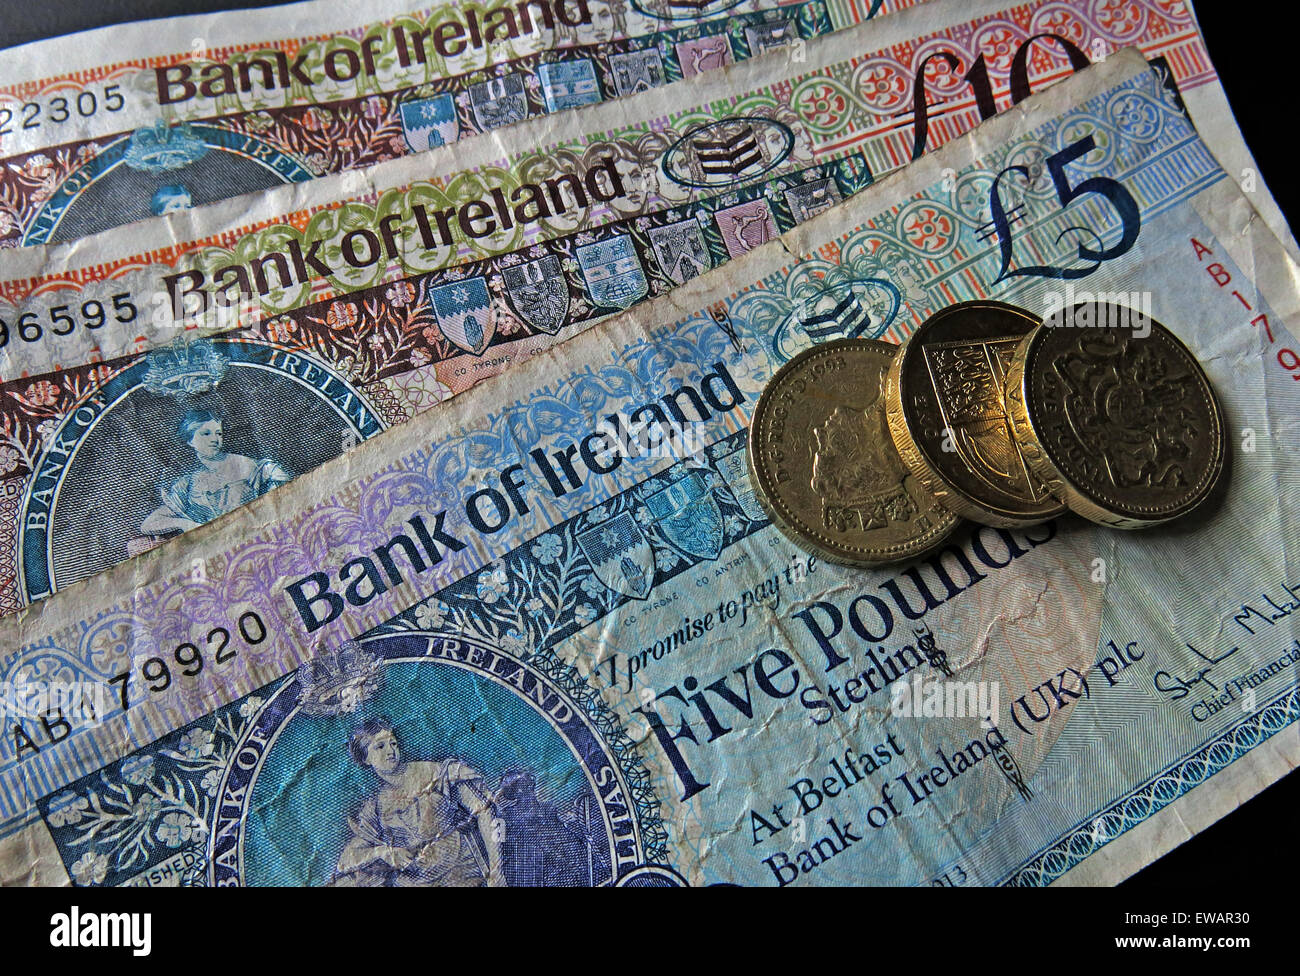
(60, 109)
(80, 705)
(187, 660)
(62, 320)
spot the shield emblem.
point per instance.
(680, 250)
(463, 309)
(637, 71)
(539, 293)
(746, 226)
(499, 101)
(968, 380)
(769, 36)
(687, 515)
(428, 123)
(734, 470)
(810, 199)
(568, 84)
(620, 555)
(703, 54)
(613, 273)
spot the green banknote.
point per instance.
(506, 644)
(129, 121)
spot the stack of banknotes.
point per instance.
(376, 496)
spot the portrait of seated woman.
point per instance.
(218, 483)
(427, 823)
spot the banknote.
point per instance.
(858, 97)
(608, 665)
(100, 129)
(370, 296)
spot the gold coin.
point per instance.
(948, 417)
(825, 466)
(1119, 419)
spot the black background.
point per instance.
(1254, 56)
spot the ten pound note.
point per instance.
(554, 602)
(197, 109)
(364, 298)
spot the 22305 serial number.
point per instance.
(61, 108)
